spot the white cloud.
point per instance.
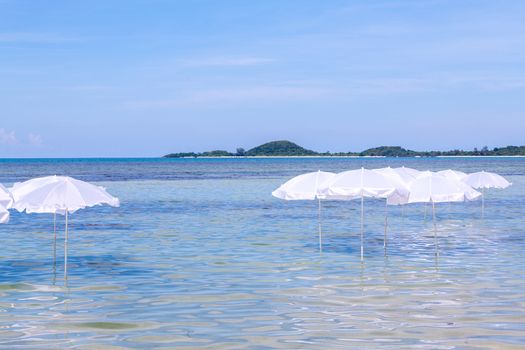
(35, 140)
(35, 38)
(476, 81)
(233, 95)
(227, 61)
(7, 137)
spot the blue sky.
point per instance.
(145, 78)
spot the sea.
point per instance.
(200, 256)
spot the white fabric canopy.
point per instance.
(4, 215)
(433, 187)
(407, 173)
(304, 187)
(452, 174)
(484, 179)
(400, 180)
(6, 199)
(56, 194)
(360, 183)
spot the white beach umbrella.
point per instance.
(485, 179)
(408, 175)
(452, 174)
(362, 183)
(305, 187)
(482, 180)
(59, 195)
(431, 187)
(22, 189)
(401, 180)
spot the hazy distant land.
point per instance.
(290, 149)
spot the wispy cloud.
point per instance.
(443, 81)
(35, 140)
(263, 93)
(227, 61)
(36, 38)
(339, 91)
(7, 137)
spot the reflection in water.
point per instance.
(220, 264)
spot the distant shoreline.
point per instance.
(284, 148)
(389, 157)
(245, 157)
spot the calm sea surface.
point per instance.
(201, 256)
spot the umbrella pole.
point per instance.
(362, 209)
(386, 224)
(482, 202)
(435, 229)
(320, 232)
(65, 250)
(54, 245)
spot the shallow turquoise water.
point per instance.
(200, 256)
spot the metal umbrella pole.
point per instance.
(320, 229)
(54, 246)
(386, 224)
(482, 202)
(362, 209)
(65, 248)
(435, 228)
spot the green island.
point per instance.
(290, 149)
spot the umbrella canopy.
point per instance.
(482, 180)
(6, 199)
(360, 183)
(304, 187)
(4, 215)
(433, 187)
(452, 174)
(436, 188)
(400, 180)
(485, 179)
(407, 173)
(58, 194)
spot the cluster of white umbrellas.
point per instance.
(397, 186)
(54, 195)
